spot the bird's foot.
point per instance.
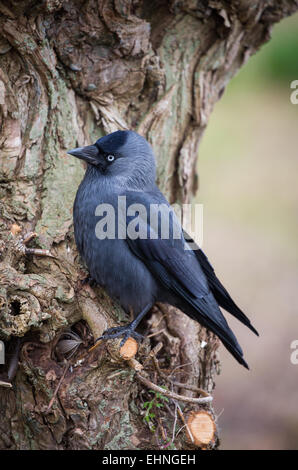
(118, 331)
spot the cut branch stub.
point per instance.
(122, 353)
(129, 349)
(202, 427)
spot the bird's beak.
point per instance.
(88, 153)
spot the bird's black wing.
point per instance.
(220, 293)
(179, 271)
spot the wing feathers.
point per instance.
(189, 276)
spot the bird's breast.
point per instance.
(109, 260)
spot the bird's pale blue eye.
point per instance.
(110, 158)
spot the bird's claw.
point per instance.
(118, 331)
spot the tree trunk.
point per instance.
(71, 71)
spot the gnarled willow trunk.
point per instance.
(71, 71)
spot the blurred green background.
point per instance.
(248, 170)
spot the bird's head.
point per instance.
(124, 155)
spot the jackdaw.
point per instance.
(142, 270)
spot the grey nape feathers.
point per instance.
(140, 271)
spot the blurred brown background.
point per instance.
(248, 167)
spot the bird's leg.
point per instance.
(126, 331)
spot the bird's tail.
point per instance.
(221, 295)
(208, 314)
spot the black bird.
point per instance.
(141, 270)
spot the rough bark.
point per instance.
(71, 71)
